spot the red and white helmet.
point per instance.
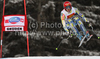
(67, 3)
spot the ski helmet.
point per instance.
(67, 4)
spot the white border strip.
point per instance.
(60, 57)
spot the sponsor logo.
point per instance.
(14, 20)
(69, 16)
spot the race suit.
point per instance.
(69, 21)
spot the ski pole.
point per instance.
(70, 35)
(62, 40)
(93, 31)
(60, 43)
(92, 28)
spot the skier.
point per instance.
(69, 20)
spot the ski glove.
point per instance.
(89, 24)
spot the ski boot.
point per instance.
(88, 36)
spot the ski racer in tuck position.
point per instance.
(69, 21)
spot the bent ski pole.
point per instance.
(60, 43)
(70, 35)
(94, 32)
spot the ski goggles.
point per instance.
(68, 7)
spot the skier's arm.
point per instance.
(63, 22)
(81, 15)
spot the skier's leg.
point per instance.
(81, 26)
(74, 29)
(88, 36)
(85, 32)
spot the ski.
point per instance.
(89, 37)
(82, 40)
